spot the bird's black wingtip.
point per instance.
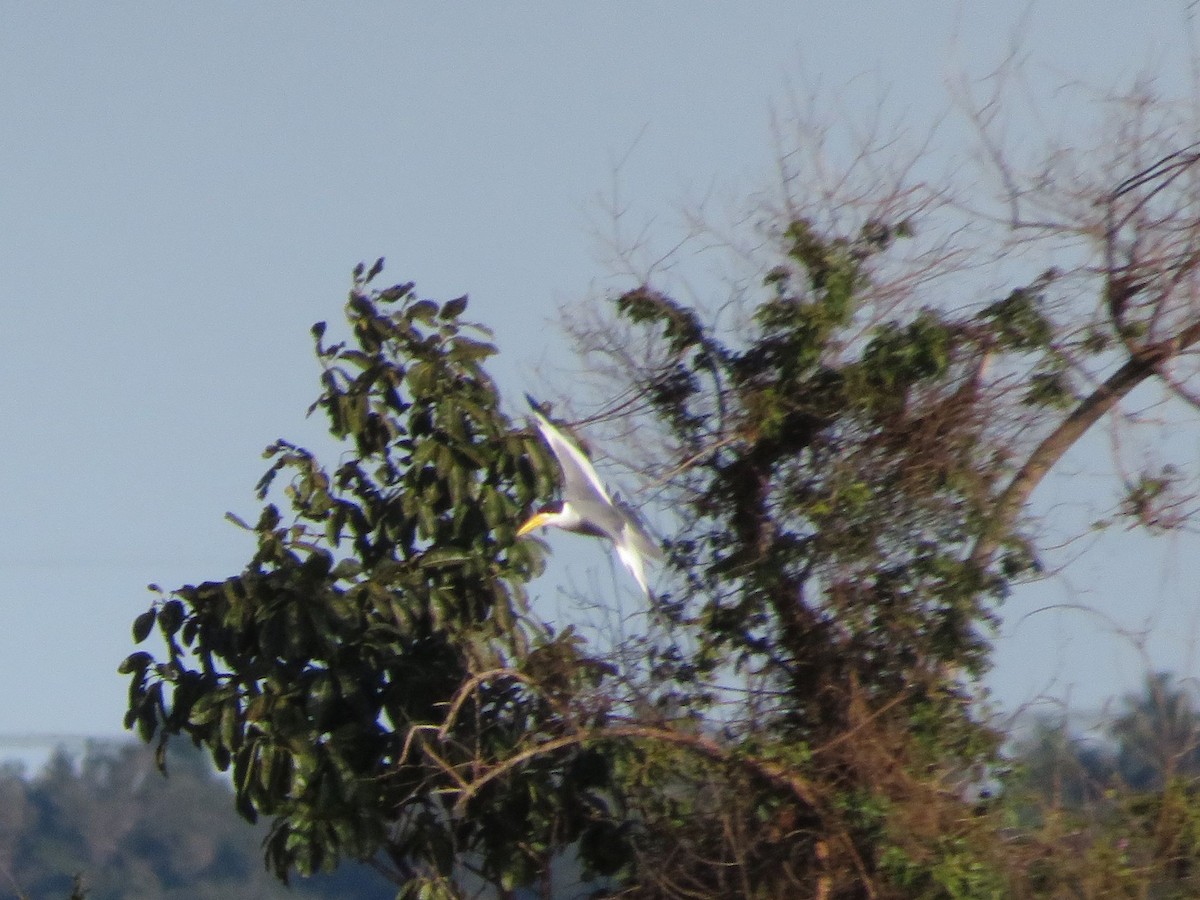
(533, 404)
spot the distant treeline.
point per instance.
(109, 825)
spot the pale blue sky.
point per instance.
(185, 187)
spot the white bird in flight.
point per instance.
(586, 507)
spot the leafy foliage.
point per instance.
(833, 490)
(376, 649)
(849, 491)
(833, 500)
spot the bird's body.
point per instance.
(586, 507)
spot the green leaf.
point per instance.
(495, 507)
(170, 617)
(230, 722)
(143, 624)
(346, 569)
(422, 311)
(442, 557)
(452, 309)
(204, 710)
(230, 517)
(467, 350)
(135, 663)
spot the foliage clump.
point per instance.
(378, 643)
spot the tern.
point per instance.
(586, 507)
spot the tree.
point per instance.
(376, 651)
(856, 461)
(1158, 735)
(850, 472)
(1060, 770)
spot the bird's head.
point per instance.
(550, 514)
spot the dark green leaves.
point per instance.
(452, 309)
(819, 451)
(900, 356)
(335, 672)
(422, 311)
(136, 663)
(1019, 319)
(1050, 387)
(680, 326)
(170, 617)
(143, 624)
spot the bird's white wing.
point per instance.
(633, 562)
(580, 481)
(634, 546)
(635, 532)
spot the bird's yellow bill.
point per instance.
(534, 522)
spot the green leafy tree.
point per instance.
(376, 653)
(851, 470)
(832, 494)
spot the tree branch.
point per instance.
(1135, 370)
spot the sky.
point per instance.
(184, 189)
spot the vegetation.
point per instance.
(848, 447)
(1116, 813)
(1112, 807)
(107, 826)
